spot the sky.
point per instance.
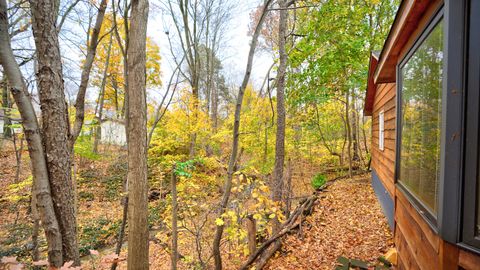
(233, 55)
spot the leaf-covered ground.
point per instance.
(347, 221)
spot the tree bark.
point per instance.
(137, 139)
(355, 145)
(281, 115)
(174, 221)
(56, 127)
(277, 190)
(7, 130)
(235, 138)
(121, 232)
(349, 132)
(251, 234)
(41, 184)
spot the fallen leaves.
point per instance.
(347, 221)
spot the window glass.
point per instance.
(477, 231)
(421, 105)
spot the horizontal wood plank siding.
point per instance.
(468, 260)
(383, 162)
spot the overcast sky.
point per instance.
(233, 55)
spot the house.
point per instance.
(423, 94)
(113, 132)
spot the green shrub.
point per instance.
(85, 195)
(318, 181)
(84, 148)
(97, 233)
(113, 181)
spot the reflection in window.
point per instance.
(477, 232)
(421, 92)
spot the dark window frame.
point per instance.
(448, 221)
(458, 196)
(421, 208)
(472, 134)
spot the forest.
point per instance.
(188, 134)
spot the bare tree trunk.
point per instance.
(7, 130)
(18, 156)
(215, 108)
(137, 139)
(236, 128)
(281, 115)
(56, 127)
(349, 132)
(36, 226)
(121, 232)
(101, 99)
(289, 193)
(41, 184)
(265, 143)
(277, 190)
(87, 67)
(174, 221)
(364, 136)
(252, 234)
(123, 49)
(355, 145)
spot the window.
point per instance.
(381, 130)
(420, 109)
(471, 211)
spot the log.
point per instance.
(306, 206)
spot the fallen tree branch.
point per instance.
(302, 210)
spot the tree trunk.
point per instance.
(7, 130)
(281, 115)
(265, 143)
(137, 139)
(18, 156)
(87, 67)
(355, 145)
(36, 227)
(56, 127)
(235, 136)
(349, 132)
(101, 99)
(121, 232)
(41, 184)
(214, 108)
(277, 190)
(251, 234)
(174, 221)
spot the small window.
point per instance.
(381, 130)
(420, 91)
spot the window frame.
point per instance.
(421, 208)
(381, 130)
(471, 196)
(450, 211)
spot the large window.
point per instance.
(420, 93)
(471, 211)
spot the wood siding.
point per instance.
(383, 162)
